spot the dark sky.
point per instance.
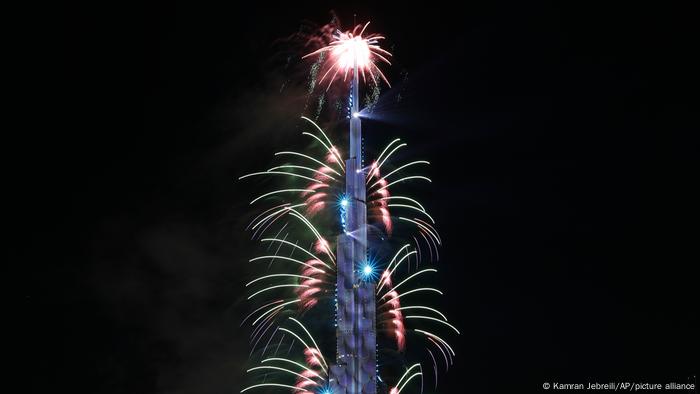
(564, 159)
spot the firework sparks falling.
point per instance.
(351, 48)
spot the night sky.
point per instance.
(564, 163)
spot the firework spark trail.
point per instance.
(435, 369)
(272, 336)
(309, 210)
(255, 311)
(267, 324)
(277, 251)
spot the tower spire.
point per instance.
(355, 371)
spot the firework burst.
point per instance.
(349, 49)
